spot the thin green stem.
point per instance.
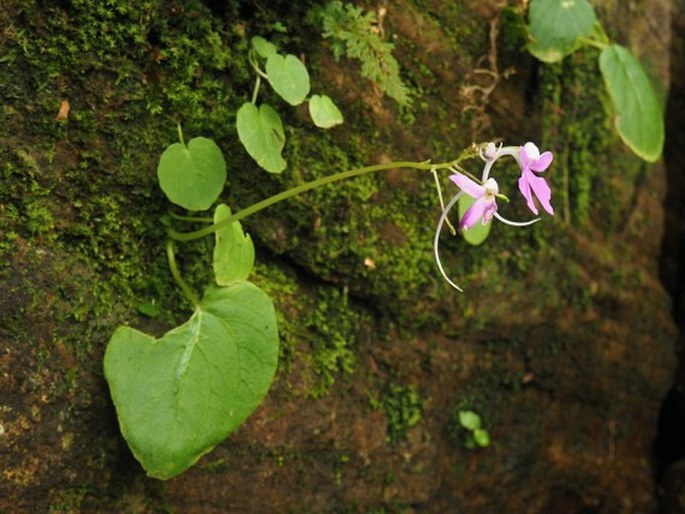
(177, 276)
(180, 134)
(466, 172)
(255, 66)
(256, 89)
(356, 172)
(593, 42)
(598, 38)
(195, 219)
(604, 37)
(442, 202)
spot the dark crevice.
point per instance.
(669, 446)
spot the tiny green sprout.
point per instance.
(469, 420)
(477, 436)
(481, 437)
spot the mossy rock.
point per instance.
(562, 342)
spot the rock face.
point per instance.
(564, 342)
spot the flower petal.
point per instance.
(490, 209)
(471, 188)
(473, 214)
(543, 162)
(542, 191)
(532, 151)
(524, 187)
(523, 156)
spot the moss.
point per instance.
(318, 327)
(82, 225)
(513, 31)
(577, 120)
(68, 500)
(402, 406)
(329, 325)
(463, 28)
(81, 239)
(333, 346)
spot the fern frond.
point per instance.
(354, 33)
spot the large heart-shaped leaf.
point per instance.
(639, 118)
(233, 250)
(289, 78)
(260, 130)
(324, 112)
(478, 232)
(192, 176)
(557, 25)
(179, 396)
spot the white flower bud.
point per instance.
(490, 151)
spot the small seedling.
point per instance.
(477, 436)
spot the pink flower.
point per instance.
(530, 184)
(485, 205)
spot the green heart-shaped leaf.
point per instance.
(261, 132)
(639, 118)
(192, 176)
(179, 396)
(233, 250)
(478, 232)
(263, 47)
(557, 25)
(289, 78)
(324, 112)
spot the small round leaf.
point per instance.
(556, 27)
(481, 437)
(263, 47)
(469, 419)
(289, 78)
(192, 176)
(324, 112)
(260, 130)
(639, 118)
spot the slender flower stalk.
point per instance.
(485, 192)
(436, 240)
(307, 186)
